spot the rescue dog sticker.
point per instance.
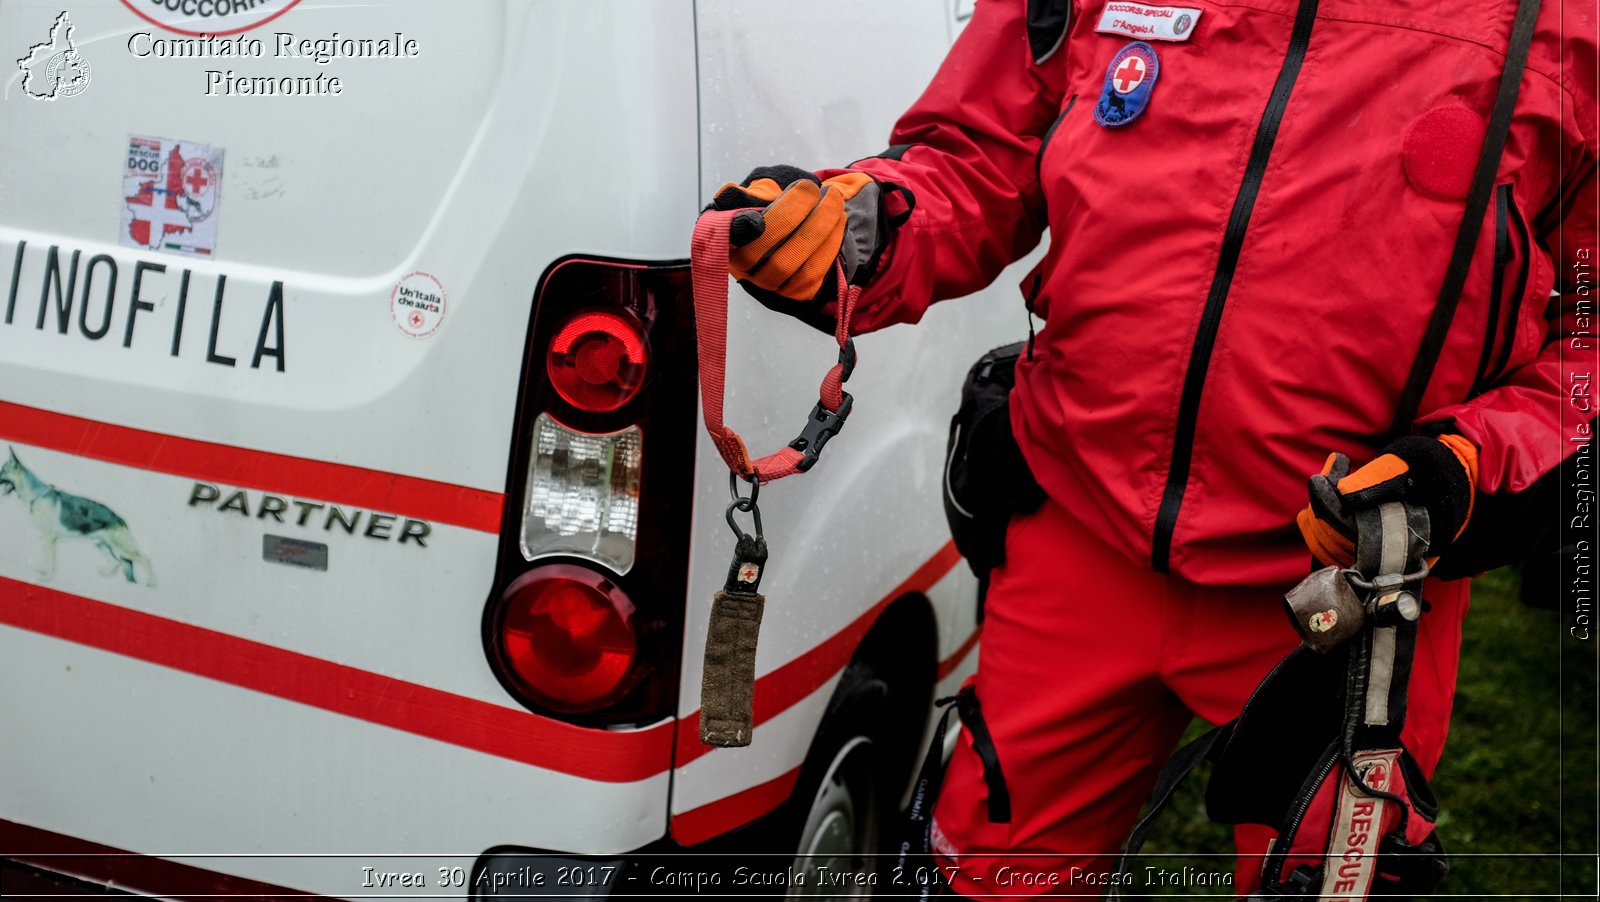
(170, 196)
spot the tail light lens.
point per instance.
(585, 620)
(583, 494)
(597, 361)
(568, 635)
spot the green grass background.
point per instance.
(1517, 785)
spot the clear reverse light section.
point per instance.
(583, 495)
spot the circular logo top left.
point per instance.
(217, 18)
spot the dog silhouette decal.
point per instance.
(61, 515)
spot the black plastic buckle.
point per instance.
(822, 425)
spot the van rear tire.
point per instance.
(840, 813)
(843, 809)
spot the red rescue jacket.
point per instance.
(1195, 367)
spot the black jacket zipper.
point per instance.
(1038, 158)
(1227, 261)
(1518, 288)
(1272, 869)
(1502, 255)
(1038, 175)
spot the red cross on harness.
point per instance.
(197, 180)
(1129, 75)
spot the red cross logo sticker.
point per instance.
(416, 320)
(1129, 75)
(197, 176)
(1378, 777)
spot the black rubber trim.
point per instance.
(892, 223)
(1205, 338)
(892, 152)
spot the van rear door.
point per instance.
(261, 350)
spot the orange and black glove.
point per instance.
(1437, 474)
(794, 226)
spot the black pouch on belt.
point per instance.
(986, 480)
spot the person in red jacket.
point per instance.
(1252, 207)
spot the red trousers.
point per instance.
(1091, 668)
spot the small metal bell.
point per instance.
(1325, 610)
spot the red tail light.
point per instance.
(597, 361)
(585, 620)
(568, 635)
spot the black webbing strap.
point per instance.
(1455, 276)
(1415, 870)
(1173, 773)
(994, 778)
(916, 845)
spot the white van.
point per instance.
(357, 528)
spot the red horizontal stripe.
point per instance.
(789, 683)
(716, 818)
(459, 720)
(426, 499)
(126, 870)
(948, 665)
(780, 690)
(611, 756)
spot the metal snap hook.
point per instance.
(745, 504)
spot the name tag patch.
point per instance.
(1149, 23)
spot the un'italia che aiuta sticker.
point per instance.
(417, 304)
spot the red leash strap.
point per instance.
(708, 254)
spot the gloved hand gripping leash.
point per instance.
(1377, 616)
(727, 684)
